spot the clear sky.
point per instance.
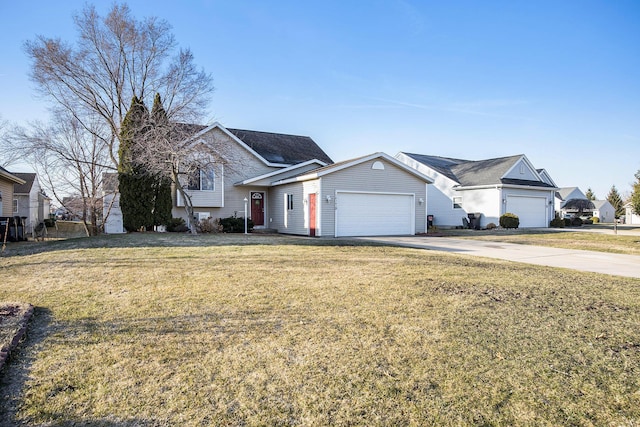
(558, 81)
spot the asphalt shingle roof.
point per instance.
(282, 148)
(471, 173)
(26, 187)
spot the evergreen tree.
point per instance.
(635, 195)
(616, 201)
(163, 202)
(136, 186)
(590, 195)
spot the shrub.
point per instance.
(209, 225)
(595, 219)
(234, 224)
(557, 222)
(588, 221)
(49, 222)
(576, 222)
(491, 226)
(177, 225)
(567, 222)
(509, 220)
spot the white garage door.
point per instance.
(532, 211)
(374, 214)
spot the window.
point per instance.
(289, 202)
(202, 180)
(15, 205)
(457, 202)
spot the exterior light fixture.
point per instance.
(245, 215)
(328, 198)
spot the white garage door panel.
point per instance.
(371, 214)
(531, 210)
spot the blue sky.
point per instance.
(558, 81)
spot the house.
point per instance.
(565, 194)
(288, 184)
(30, 202)
(370, 195)
(7, 182)
(10, 228)
(292, 186)
(604, 211)
(631, 217)
(486, 188)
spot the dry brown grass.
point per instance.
(602, 241)
(217, 330)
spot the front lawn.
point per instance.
(267, 330)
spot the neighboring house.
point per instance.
(30, 202)
(489, 187)
(288, 184)
(631, 217)
(604, 211)
(7, 182)
(602, 208)
(563, 195)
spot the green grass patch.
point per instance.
(269, 330)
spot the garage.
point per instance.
(374, 214)
(532, 211)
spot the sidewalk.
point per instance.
(597, 262)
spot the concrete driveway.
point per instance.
(597, 262)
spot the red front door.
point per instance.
(312, 214)
(257, 208)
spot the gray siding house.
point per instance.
(290, 185)
(293, 187)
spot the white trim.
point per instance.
(522, 196)
(524, 159)
(349, 163)
(279, 171)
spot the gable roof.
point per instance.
(470, 173)
(317, 173)
(483, 172)
(24, 188)
(599, 204)
(282, 148)
(274, 149)
(10, 177)
(564, 192)
(441, 165)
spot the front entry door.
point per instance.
(257, 208)
(312, 214)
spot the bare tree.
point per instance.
(169, 150)
(90, 85)
(117, 57)
(69, 159)
(7, 156)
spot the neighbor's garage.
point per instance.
(374, 214)
(532, 211)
